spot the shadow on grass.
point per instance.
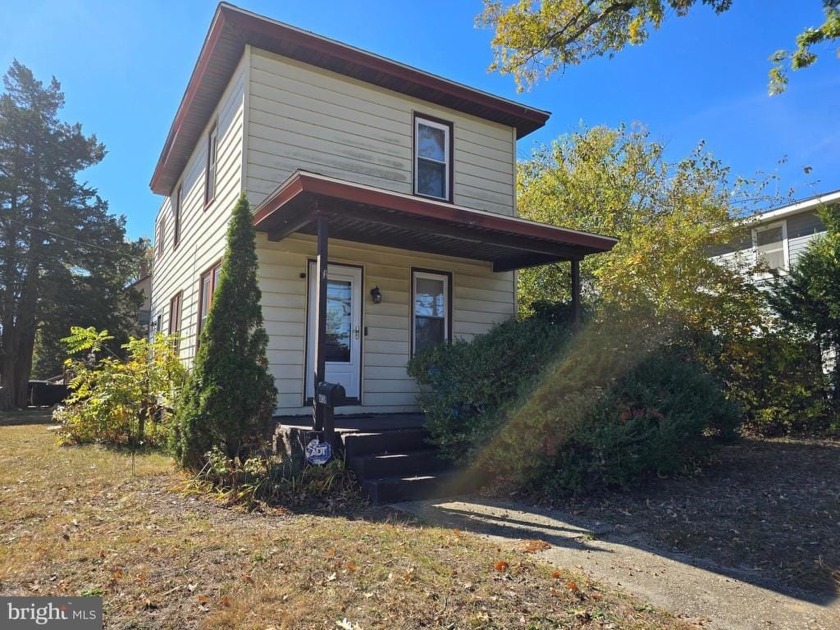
(766, 513)
(31, 415)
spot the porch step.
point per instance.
(381, 442)
(394, 464)
(399, 465)
(412, 488)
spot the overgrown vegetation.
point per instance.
(620, 400)
(119, 402)
(228, 401)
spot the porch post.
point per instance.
(320, 318)
(575, 292)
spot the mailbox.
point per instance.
(330, 394)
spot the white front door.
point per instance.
(343, 350)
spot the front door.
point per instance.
(344, 319)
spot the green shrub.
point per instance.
(121, 402)
(657, 418)
(466, 384)
(606, 405)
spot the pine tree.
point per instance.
(54, 230)
(229, 398)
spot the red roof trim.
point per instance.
(232, 28)
(302, 182)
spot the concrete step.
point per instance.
(413, 488)
(397, 464)
(383, 442)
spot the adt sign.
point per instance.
(318, 452)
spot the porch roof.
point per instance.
(371, 215)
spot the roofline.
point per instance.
(247, 27)
(302, 182)
(796, 207)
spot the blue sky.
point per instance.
(124, 65)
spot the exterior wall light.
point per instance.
(376, 295)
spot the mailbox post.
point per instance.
(327, 397)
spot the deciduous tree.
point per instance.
(535, 38)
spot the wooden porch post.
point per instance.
(320, 317)
(575, 292)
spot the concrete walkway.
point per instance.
(719, 598)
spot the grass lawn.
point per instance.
(76, 521)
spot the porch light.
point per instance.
(376, 295)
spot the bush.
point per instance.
(656, 419)
(465, 385)
(613, 402)
(120, 402)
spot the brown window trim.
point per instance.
(449, 310)
(176, 307)
(210, 271)
(450, 195)
(212, 142)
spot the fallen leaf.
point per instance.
(502, 566)
(556, 575)
(225, 601)
(533, 546)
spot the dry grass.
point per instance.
(767, 506)
(76, 521)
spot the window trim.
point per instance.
(449, 130)
(419, 272)
(785, 245)
(175, 315)
(176, 216)
(209, 272)
(212, 165)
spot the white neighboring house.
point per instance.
(400, 183)
(779, 236)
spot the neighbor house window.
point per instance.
(212, 163)
(769, 244)
(175, 316)
(432, 158)
(176, 217)
(206, 289)
(430, 298)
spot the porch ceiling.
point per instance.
(371, 215)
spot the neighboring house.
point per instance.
(779, 236)
(144, 314)
(402, 180)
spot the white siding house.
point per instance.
(409, 180)
(778, 237)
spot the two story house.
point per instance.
(384, 193)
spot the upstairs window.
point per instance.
(207, 287)
(212, 163)
(430, 292)
(769, 244)
(432, 158)
(176, 217)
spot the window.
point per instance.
(206, 289)
(159, 237)
(212, 158)
(176, 216)
(432, 158)
(175, 316)
(769, 244)
(430, 292)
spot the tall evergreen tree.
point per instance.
(229, 398)
(808, 298)
(51, 225)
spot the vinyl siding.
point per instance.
(306, 118)
(481, 299)
(203, 230)
(801, 230)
